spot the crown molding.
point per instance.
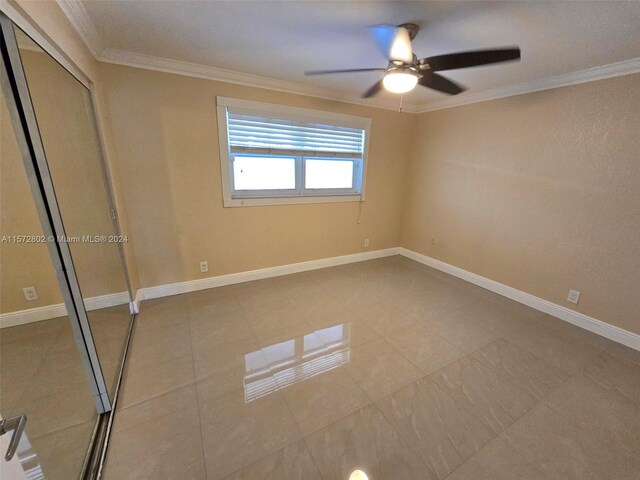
(138, 60)
(79, 18)
(617, 69)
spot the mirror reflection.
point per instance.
(282, 364)
(65, 119)
(41, 371)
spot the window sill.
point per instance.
(255, 202)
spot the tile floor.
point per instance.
(42, 376)
(385, 366)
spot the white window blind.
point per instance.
(267, 135)
(278, 154)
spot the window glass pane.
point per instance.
(264, 173)
(328, 174)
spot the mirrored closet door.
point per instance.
(64, 291)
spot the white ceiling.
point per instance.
(280, 39)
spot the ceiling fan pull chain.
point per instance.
(400, 109)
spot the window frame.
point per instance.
(301, 194)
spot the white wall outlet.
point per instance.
(204, 266)
(30, 293)
(366, 242)
(574, 296)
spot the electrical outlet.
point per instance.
(204, 266)
(574, 296)
(30, 293)
(366, 242)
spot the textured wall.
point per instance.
(166, 139)
(60, 104)
(540, 192)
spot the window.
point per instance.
(273, 154)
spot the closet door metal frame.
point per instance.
(15, 88)
(24, 23)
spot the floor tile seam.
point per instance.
(122, 408)
(584, 370)
(271, 451)
(372, 404)
(512, 381)
(44, 433)
(280, 392)
(22, 396)
(615, 345)
(422, 374)
(316, 463)
(534, 353)
(190, 305)
(406, 440)
(504, 436)
(193, 367)
(557, 325)
(147, 363)
(498, 438)
(33, 398)
(576, 423)
(288, 444)
(59, 430)
(371, 399)
(576, 426)
(417, 318)
(414, 364)
(623, 360)
(251, 329)
(509, 381)
(41, 363)
(457, 403)
(333, 421)
(490, 427)
(159, 327)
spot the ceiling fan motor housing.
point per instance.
(411, 28)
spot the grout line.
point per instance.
(277, 391)
(195, 383)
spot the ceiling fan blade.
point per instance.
(383, 35)
(351, 70)
(474, 58)
(373, 90)
(394, 42)
(401, 47)
(438, 82)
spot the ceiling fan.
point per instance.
(405, 70)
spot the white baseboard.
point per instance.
(21, 317)
(617, 334)
(599, 327)
(233, 278)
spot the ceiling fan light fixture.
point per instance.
(400, 81)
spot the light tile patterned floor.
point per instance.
(385, 366)
(43, 377)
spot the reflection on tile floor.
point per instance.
(384, 366)
(42, 376)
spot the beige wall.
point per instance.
(20, 270)
(24, 264)
(49, 19)
(166, 138)
(540, 192)
(60, 104)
